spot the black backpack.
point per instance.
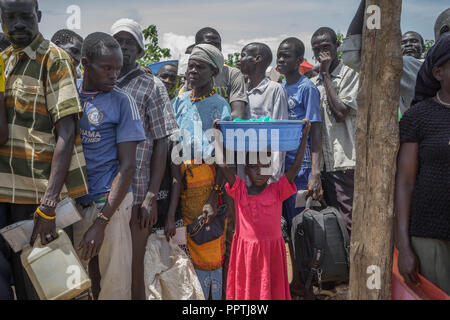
(321, 245)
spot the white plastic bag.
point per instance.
(168, 272)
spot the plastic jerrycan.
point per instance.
(55, 269)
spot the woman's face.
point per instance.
(442, 74)
(199, 73)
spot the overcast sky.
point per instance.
(238, 21)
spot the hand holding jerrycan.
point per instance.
(55, 269)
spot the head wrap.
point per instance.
(133, 28)
(209, 54)
(426, 85)
(441, 21)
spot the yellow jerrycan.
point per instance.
(55, 269)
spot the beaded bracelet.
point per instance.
(101, 216)
(43, 215)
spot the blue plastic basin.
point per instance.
(262, 136)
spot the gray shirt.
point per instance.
(338, 138)
(351, 56)
(269, 99)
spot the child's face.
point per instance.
(254, 173)
(287, 59)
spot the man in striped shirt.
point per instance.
(42, 160)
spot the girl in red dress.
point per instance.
(258, 267)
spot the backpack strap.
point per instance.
(125, 81)
(320, 240)
(344, 232)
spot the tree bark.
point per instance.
(376, 151)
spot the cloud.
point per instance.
(178, 44)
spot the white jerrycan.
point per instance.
(55, 269)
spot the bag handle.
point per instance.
(309, 201)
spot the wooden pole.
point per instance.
(376, 151)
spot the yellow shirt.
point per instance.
(2, 75)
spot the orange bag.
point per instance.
(425, 290)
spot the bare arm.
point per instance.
(149, 210)
(122, 181)
(407, 168)
(337, 107)
(356, 26)
(295, 168)
(238, 109)
(175, 192)
(314, 183)
(93, 238)
(220, 157)
(65, 139)
(4, 132)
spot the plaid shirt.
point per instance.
(40, 90)
(158, 120)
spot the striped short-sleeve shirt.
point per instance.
(40, 89)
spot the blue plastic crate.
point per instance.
(261, 136)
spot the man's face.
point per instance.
(322, 44)
(130, 47)
(287, 59)
(73, 48)
(248, 60)
(199, 73)
(103, 71)
(168, 75)
(412, 45)
(20, 21)
(213, 39)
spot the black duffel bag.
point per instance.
(321, 245)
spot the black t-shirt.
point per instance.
(428, 123)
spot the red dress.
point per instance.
(258, 267)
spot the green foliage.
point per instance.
(153, 52)
(428, 45)
(233, 59)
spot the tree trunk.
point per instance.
(376, 151)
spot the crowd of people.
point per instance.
(81, 118)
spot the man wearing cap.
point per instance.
(442, 24)
(159, 122)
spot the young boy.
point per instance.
(304, 102)
(110, 129)
(266, 98)
(70, 42)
